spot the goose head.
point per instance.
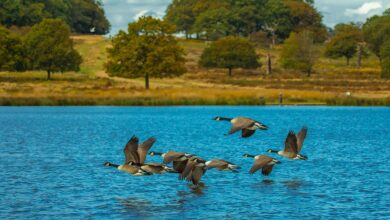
(276, 161)
(107, 164)
(152, 153)
(217, 118)
(248, 155)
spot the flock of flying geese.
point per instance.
(191, 167)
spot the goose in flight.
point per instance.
(246, 125)
(178, 159)
(293, 146)
(221, 165)
(265, 163)
(132, 161)
(194, 170)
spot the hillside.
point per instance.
(330, 83)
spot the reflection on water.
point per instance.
(293, 184)
(267, 182)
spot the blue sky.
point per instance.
(121, 12)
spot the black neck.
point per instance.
(249, 155)
(224, 119)
(158, 153)
(113, 165)
(274, 151)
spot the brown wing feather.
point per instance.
(267, 170)
(130, 150)
(300, 138)
(247, 133)
(144, 148)
(240, 123)
(290, 145)
(171, 156)
(260, 163)
(197, 174)
(179, 166)
(189, 166)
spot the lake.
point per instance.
(52, 163)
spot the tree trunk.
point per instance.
(269, 64)
(359, 56)
(230, 71)
(309, 72)
(48, 75)
(347, 61)
(146, 81)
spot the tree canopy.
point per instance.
(83, 16)
(385, 62)
(11, 51)
(230, 52)
(243, 17)
(299, 52)
(49, 47)
(376, 31)
(345, 42)
(147, 49)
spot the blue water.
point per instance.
(51, 164)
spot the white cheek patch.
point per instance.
(163, 155)
(207, 163)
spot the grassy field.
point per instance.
(330, 83)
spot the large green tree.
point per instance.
(230, 52)
(385, 62)
(11, 52)
(214, 24)
(180, 13)
(376, 31)
(82, 15)
(345, 42)
(148, 49)
(299, 52)
(50, 48)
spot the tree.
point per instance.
(179, 13)
(11, 51)
(148, 49)
(82, 15)
(214, 24)
(286, 16)
(345, 42)
(299, 52)
(230, 52)
(87, 17)
(385, 63)
(376, 31)
(50, 48)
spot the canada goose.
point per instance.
(246, 125)
(221, 165)
(178, 159)
(156, 168)
(292, 146)
(134, 170)
(130, 156)
(265, 163)
(135, 155)
(194, 170)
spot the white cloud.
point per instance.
(364, 9)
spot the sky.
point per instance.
(121, 12)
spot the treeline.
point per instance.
(83, 16)
(47, 46)
(212, 19)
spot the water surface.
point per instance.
(51, 164)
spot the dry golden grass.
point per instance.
(92, 86)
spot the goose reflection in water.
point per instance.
(293, 184)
